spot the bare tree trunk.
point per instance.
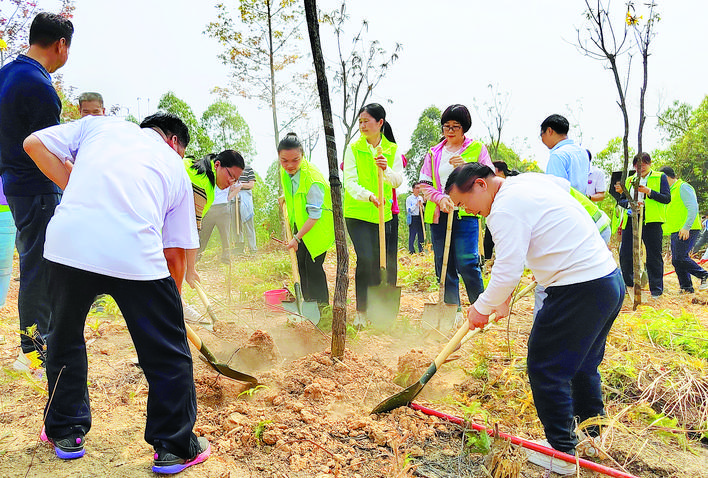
(339, 309)
(272, 77)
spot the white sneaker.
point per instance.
(360, 319)
(191, 316)
(555, 465)
(704, 284)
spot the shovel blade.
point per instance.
(227, 371)
(308, 310)
(384, 301)
(439, 316)
(402, 398)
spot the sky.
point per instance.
(134, 51)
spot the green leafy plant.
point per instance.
(478, 442)
(259, 428)
(249, 392)
(684, 333)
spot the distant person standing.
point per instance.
(683, 226)
(567, 160)
(414, 204)
(244, 189)
(28, 103)
(597, 186)
(91, 103)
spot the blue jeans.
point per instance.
(463, 259)
(31, 215)
(683, 264)
(566, 345)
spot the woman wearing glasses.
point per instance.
(454, 150)
(375, 149)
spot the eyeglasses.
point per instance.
(231, 176)
(454, 127)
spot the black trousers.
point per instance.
(651, 236)
(313, 279)
(153, 314)
(365, 238)
(415, 235)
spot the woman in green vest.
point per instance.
(220, 170)
(375, 149)
(683, 225)
(309, 204)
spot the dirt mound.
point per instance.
(314, 415)
(411, 366)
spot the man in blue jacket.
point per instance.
(28, 103)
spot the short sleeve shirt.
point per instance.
(127, 199)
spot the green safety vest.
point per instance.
(677, 212)
(470, 154)
(203, 191)
(654, 211)
(318, 239)
(367, 177)
(591, 208)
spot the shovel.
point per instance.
(384, 300)
(205, 301)
(221, 368)
(406, 396)
(307, 309)
(422, 220)
(441, 316)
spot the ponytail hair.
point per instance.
(204, 166)
(379, 113)
(291, 141)
(227, 159)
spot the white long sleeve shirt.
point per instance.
(392, 175)
(535, 221)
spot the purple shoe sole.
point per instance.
(172, 469)
(64, 455)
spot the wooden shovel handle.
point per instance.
(382, 231)
(202, 295)
(291, 251)
(446, 255)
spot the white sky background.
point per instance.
(134, 51)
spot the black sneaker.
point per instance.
(168, 463)
(68, 447)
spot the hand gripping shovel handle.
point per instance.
(205, 300)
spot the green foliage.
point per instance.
(612, 157)
(199, 143)
(249, 392)
(227, 128)
(426, 135)
(259, 428)
(664, 427)
(684, 333)
(412, 276)
(268, 218)
(478, 442)
(270, 271)
(69, 109)
(688, 152)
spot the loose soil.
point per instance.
(310, 415)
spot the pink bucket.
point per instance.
(273, 298)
